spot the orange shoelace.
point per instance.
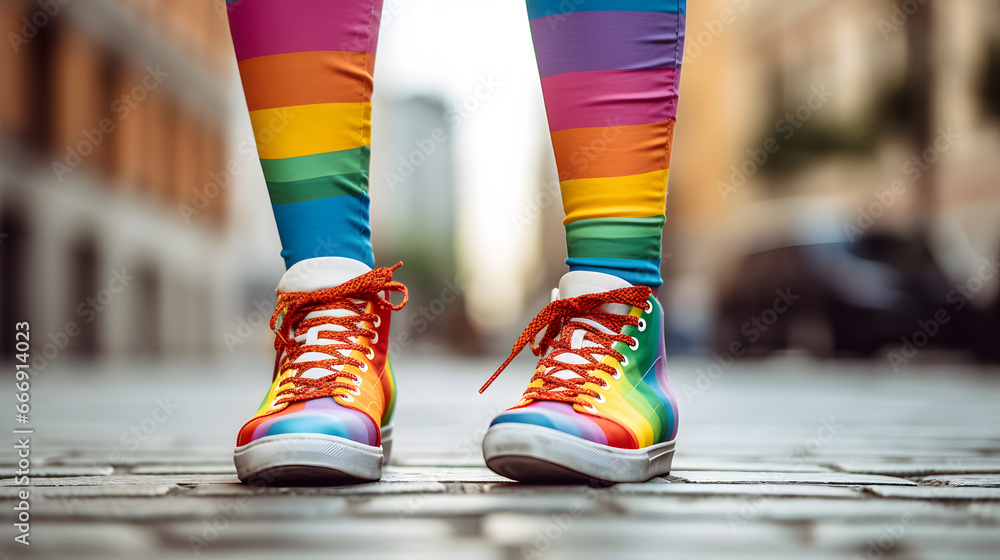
(289, 319)
(557, 320)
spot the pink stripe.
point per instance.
(610, 97)
(588, 429)
(265, 27)
(359, 425)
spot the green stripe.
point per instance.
(644, 358)
(642, 399)
(615, 238)
(615, 228)
(312, 166)
(637, 248)
(646, 403)
(354, 184)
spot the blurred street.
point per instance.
(787, 458)
(838, 155)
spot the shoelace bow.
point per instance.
(289, 319)
(556, 319)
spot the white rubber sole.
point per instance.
(538, 454)
(311, 459)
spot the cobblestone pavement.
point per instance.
(776, 459)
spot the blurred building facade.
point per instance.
(827, 121)
(839, 99)
(414, 209)
(824, 121)
(112, 115)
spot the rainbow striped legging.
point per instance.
(609, 69)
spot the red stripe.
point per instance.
(618, 435)
(604, 97)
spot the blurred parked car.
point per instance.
(881, 292)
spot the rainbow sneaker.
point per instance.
(599, 408)
(325, 419)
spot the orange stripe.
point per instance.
(306, 78)
(612, 151)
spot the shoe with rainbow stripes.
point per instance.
(599, 408)
(326, 417)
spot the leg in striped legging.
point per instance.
(610, 71)
(599, 406)
(306, 67)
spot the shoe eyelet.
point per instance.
(357, 381)
(364, 367)
(370, 354)
(649, 308)
(616, 375)
(642, 325)
(606, 386)
(347, 398)
(600, 398)
(377, 322)
(590, 408)
(374, 339)
(624, 361)
(356, 392)
(635, 344)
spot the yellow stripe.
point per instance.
(265, 407)
(632, 196)
(618, 409)
(303, 130)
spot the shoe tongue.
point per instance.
(320, 273)
(582, 282)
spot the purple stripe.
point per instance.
(265, 27)
(582, 41)
(359, 425)
(625, 97)
(588, 429)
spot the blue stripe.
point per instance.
(325, 227)
(637, 272)
(311, 425)
(542, 8)
(650, 380)
(554, 421)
